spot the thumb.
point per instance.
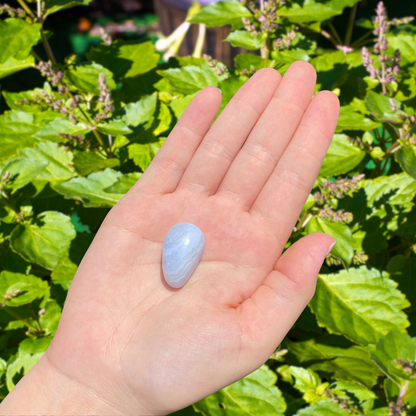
(275, 306)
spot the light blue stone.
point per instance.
(182, 251)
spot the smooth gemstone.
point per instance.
(182, 251)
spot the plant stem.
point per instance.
(47, 47)
(51, 56)
(39, 9)
(27, 9)
(267, 54)
(335, 33)
(403, 395)
(391, 149)
(200, 41)
(366, 42)
(354, 44)
(322, 32)
(396, 248)
(8, 204)
(350, 27)
(17, 316)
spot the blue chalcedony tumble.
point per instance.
(182, 251)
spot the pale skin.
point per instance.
(127, 343)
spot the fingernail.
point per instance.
(218, 89)
(331, 247)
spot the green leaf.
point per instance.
(90, 190)
(331, 60)
(30, 351)
(341, 233)
(405, 42)
(179, 105)
(379, 106)
(45, 240)
(327, 354)
(243, 39)
(64, 272)
(88, 162)
(190, 79)
(254, 394)
(17, 37)
(314, 11)
(342, 156)
(362, 304)
(22, 171)
(59, 126)
(59, 162)
(248, 61)
(31, 288)
(395, 345)
(53, 6)
(16, 131)
(351, 120)
(141, 111)
(290, 55)
(323, 408)
(124, 184)
(85, 77)
(361, 393)
(114, 128)
(50, 319)
(222, 13)
(125, 58)
(13, 65)
(305, 379)
(398, 189)
(12, 97)
(403, 270)
(143, 154)
(406, 156)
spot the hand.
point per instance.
(138, 346)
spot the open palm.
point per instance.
(146, 348)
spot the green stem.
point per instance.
(266, 58)
(335, 33)
(47, 47)
(27, 9)
(17, 316)
(37, 57)
(362, 38)
(408, 394)
(322, 32)
(350, 27)
(366, 42)
(392, 147)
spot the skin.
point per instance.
(127, 343)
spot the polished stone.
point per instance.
(182, 251)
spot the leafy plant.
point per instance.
(73, 147)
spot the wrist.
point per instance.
(45, 390)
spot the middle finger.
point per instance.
(270, 136)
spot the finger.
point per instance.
(274, 307)
(172, 159)
(270, 136)
(225, 138)
(284, 194)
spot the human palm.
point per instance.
(146, 348)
